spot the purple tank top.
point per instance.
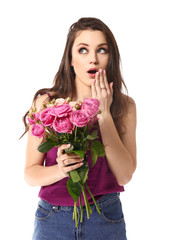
(100, 181)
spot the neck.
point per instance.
(82, 92)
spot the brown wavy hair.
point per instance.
(64, 80)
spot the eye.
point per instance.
(102, 50)
(82, 50)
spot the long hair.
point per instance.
(64, 80)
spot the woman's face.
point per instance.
(89, 54)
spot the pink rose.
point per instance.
(60, 101)
(91, 107)
(79, 118)
(33, 118)
(46, 117)
(93, 101)
(61, 110)
(63, 125)
(38, 130)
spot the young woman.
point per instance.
(90, 67)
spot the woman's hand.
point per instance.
(102, 91)
(67, 162)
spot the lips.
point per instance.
(92, 72)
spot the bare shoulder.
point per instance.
(131, 108)
(130, 118)
(40, 100)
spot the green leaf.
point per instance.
(92, 136)
(84, 167)
(94, 157)
(46, 146)
(74, 176)
(98, 148)
(74, 189)
(77, 145)
(84, 175)
(71, 150)
(79, 152)
(85, 145)
(83, 171)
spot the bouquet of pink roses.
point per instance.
(61, 122)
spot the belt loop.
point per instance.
(56, 208)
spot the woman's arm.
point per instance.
(120, 153)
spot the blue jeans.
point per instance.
(56, 223)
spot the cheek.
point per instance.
(104, 61)
(107, 60)
(77, 65)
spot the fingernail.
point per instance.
(100, 70)
(68, 145)
(104, 71)
(94, 80)
(97, 73)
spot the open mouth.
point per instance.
(92, 71)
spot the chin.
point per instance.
(89, 83)
(85, 81)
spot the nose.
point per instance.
(93, 58)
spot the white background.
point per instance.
(33, 35)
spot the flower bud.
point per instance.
(68, 99)
(77, 106)
(53, 101)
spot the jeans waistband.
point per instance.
(105, 200)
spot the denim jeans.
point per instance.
(56, 223)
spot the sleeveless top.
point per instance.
(100, 181)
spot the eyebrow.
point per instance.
(85, 44)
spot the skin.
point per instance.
(89, 50)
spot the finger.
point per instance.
(61, 148)
(71, 155)
(102, 83)
(73, 167)
(65, 159)
(106, 81)
(63, 163)
(71, 161)
(97, 83)
(93, 89)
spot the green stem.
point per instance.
(75, 133)
(68, 136)
(98, 210)
(80, 203)
(75, 214)
(87, 205)
(86, 127)
(51, 135)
